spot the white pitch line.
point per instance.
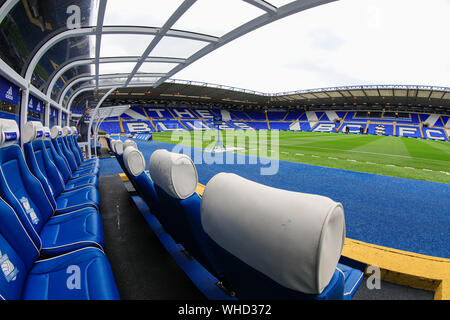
(314, 156)
(332, 158)
(390, 165)
(429, 170)
(408, 168)
(351, 160)
(299, 154)
(445, 172)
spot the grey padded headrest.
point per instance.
(173, 172)
(9, 132)
(67, 131)
(56, 132)
(47, 134)
(33, 130)
(294, 238)
(127, 143)
(118, 146)
(134, 160)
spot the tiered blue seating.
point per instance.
(276, 115)
(293, 115)
(111, 126)
(279, 125)
(258, 125)
(238, 115)
(256, 115)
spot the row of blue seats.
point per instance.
(51, 233)
(259, 242)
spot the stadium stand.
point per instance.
(415, 125)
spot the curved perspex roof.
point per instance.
(56, 50)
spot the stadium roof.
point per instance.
(395, 97)
(53, 49)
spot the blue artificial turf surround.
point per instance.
(404, 214)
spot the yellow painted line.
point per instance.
(200, 189)
(123, 176)
(267, 120)
(421, 131)
(300, 116)
(121, 125)
(287, 113)
(366, 129)
(403, 267)
(178, 119)
(394, 126)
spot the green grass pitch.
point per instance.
(386, 155)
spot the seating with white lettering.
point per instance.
(53, 234)
(25, 277)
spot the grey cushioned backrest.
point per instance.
(33, 130)
(294, 238)
(56, 132)
(128, 143)
(9, 132)
(118, 146)
(173, 172)
(134, 160)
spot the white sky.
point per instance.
(348, 42)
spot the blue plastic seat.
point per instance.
(277, 244)
(77, 150)
(45, 170)
(175, 178)
(55, 234)
(67, 155)
(64, 170)
(68, 134)
(48, 279)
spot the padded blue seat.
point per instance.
(67, 155)
(48, 279)
(276, 244)
(26, 195)
(77, 150)
(64, 170)
(68, 134)
(175, 178)
(46, 171)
